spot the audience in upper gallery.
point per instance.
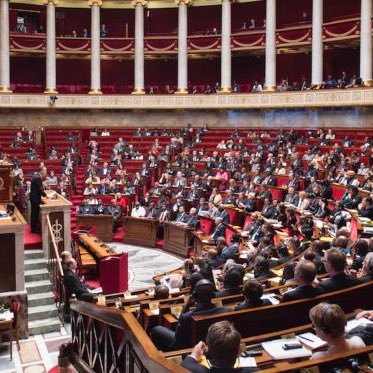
(329, 322)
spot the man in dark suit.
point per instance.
(181, 216)
(202, 206)
(252, 291)
(74, 285)
(292, 197)
(335, 264)
(268, 210)
(229, 251)
(192, 220)
(219, 230)
(223, 214)
(223, 347)
(166, 339)
(37, 191)
(293, 181)
(304, 276)
(232, 281)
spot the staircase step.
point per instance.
(44, 326)
(34, 254)
(40, 299)
(42, 312)
(35, 264)
(36, 274)
(40, 286)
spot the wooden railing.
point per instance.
(107, 340)
(56, 273)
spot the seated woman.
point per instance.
(252, 291)
(329, 322)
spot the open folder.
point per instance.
(276, 351)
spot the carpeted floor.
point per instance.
(32, 240)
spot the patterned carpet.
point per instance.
(144, 263)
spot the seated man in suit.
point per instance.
(166, 339)
(252, 291)
(292, 197)
(230, 251)
(232, 281)
(304, 276)
(335, 264)
(223, 348)
(192, 219)
(219, 230)
(74, 285)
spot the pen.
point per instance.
(306, 339)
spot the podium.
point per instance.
(12, 272)
(114, 274)
(6, 182)
(140, 231)
(103, 223)
(178, 238)
(58, 210)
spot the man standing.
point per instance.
(36, 193)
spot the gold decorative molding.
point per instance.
(181, 91)
(50, 91)
(138, 100)
(138, 91)
(368, 83)
(95, 2)
(5, 90)
(95, 91)
(270, 88)
(54, 2)
(186, 2)
(224, 90)
(139, 2)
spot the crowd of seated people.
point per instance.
(240, 172)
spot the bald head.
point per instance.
(305, 272)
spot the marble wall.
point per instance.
(297, 118)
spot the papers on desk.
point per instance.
(205, 241)
(276, 351)
(6, 316)
(351, 324)
(272, 297)
(96, 291)
(311, 340)
(246, 362)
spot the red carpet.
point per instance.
(32, 240)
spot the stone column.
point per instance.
(50, 86)
(366, 43)
(95, 47)
(317, 43)
(226, 60)
(182, 47)
(270, 62)
(139, 87)
(4, 47)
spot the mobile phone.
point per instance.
(291, 346)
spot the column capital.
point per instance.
(139, 2)
(54, 2)
(186, 2)
(95, 2)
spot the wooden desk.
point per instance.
(103, 223)
(199, 245)
(177, 238)
(6, 329)
(140, 231)
(95, 246)
(12, 276)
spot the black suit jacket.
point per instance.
(219, 231)
(247, 304)
(338, 282)
(193, 366)
(37, 190)
(183, 333)
(302, 292)
(73, 284)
